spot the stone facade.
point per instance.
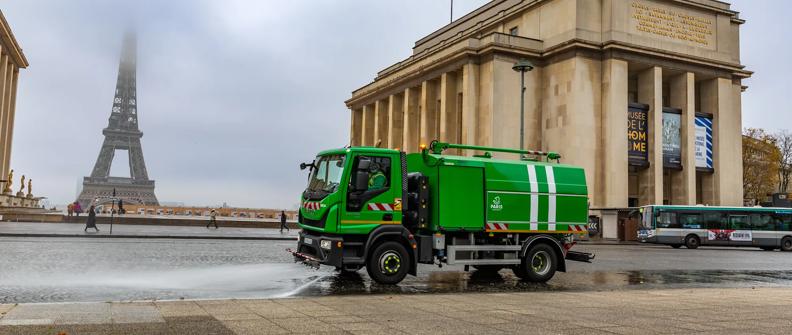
(593, 59)
(11, 61)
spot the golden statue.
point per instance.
(9, 182)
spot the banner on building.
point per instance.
(672, 150)
(637, 147)
(703, 142)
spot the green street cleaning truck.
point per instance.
(389, 211)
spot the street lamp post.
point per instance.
(522, 66)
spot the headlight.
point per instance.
(325, 244)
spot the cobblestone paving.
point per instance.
(688, 311)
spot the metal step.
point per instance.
(452, 250)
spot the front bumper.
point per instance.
(309, 244)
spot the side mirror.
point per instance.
(303, 166)
(361, 180)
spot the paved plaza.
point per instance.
(28, 229)
(685, 311)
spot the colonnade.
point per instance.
(9, 74)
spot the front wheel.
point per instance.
(538, 265)
(786, 244)
(389, 263)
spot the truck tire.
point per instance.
(538, 265)
(786, 244)
(692, 242)
(388, 263)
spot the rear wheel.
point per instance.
(786, 244)
(692, 242)
(538, 265)
(389, 263)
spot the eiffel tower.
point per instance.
(121, 134)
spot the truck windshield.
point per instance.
(326, 176)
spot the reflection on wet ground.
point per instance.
(504, 281)
(70, 270)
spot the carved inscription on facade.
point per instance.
(675, 24)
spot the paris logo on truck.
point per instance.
(496, 204)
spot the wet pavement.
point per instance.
(25, 229)
(88, 269)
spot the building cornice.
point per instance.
(10, 44)
(418, 67)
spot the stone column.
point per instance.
(4, 125)
(368, 125)
(395, 121)
(470, 74)
(11, 112)
(727, 141)
(428, 112)
(355, 137)
(381, 123)
(682, 95)
(448, 112)
(614, 167)
(412, 119)
(650, 92)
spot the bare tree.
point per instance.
(783, 140)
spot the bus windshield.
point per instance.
(646, 217)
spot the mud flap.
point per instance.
(579, 256)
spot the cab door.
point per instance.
(374, 193)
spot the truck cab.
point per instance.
(353, 194)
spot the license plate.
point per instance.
(307, 240)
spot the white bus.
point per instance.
(692, 226)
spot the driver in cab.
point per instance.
(377, 179)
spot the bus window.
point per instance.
(786, 222)
(738, 222)
(762, 221)
(667, 220)
(690, 221)
(713, 220)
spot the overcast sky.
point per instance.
(234, 94)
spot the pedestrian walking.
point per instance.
(212, 219)
(78, 209)
(283, 222)
(91, 221)
(70, 210)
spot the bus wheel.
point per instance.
(538, 265)
(692, 242)
(676, 246)
(786, 244)
(389, 263)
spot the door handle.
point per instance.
(387, 217)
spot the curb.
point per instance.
(180, 237)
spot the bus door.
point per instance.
(739, 231)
